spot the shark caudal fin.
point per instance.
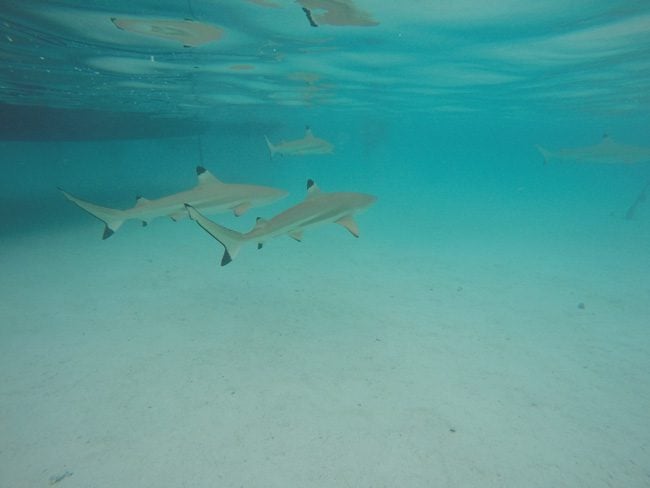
(229, 239)
(112, 218)
(272, 148)
(546, 154)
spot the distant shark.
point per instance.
(317, 208)
(308, 145)
(210, 194)
(641, 198)
(606, 151)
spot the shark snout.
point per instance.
(367, 200)
(275, 195)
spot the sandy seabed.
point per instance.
(364, 363)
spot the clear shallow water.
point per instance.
(336, 361)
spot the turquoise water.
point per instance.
(489, 326)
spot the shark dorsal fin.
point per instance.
(259, 223)
(308, 133)
(205, 177)
(140, 200)
(312, 189)
(176, 216)
(606, 140)
(296, 235)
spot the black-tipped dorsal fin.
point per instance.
(205, 177)
(140, 200)
(308, 133)
(312, 188)
(259, 223)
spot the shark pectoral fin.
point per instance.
(349, 223)
(296, 235)
(176, 216)
(241, 208)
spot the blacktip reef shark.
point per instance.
(210, 194)
(317, 208)
(306, 146)
(606, 151)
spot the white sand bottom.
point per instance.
(305, 365)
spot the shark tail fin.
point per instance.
(272, 148)
(546, 154)
(112, 218)
(229, 239)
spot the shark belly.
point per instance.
(288, 224)
(303, 148)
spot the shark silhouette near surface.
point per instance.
(607, 151)
(210, 194)
(306, 146)
(317, 208)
